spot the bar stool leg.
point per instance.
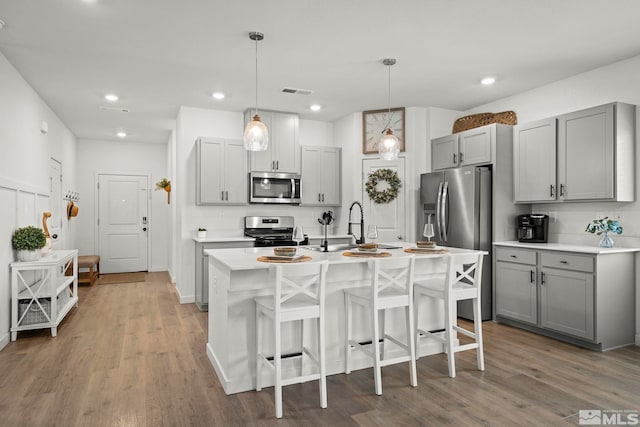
(347, 334)
(411, 343)
(477, 325)
(277, 359)
(375, 338)
(258, 351)
(451, 336)
(323, 365)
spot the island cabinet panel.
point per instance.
(534, 153)
(321, 181)
(585, 298)
(221, 172)
(580, 156)
(283, 152)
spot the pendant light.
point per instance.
(389, 146)
(256, 135)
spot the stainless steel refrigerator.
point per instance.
(458, 203)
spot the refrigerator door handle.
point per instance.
(443, 208)
(438, 202)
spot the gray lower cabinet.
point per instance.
(584, 298)
(202, 268)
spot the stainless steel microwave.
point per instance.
(274, 187)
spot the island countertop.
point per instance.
(246, 258)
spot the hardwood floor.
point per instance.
(130, 355)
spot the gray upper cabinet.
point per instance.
(444, 152)
(321, 176)
(592, 151)
(221, 172)
(534, 152)
(471, 147)
(283, 152)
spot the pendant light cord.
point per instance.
(389, 92)
(256, 109)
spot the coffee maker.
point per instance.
(533, 228)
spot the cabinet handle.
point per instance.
(563, 262)
(222, 195)
(513, 256)
(461, 157)
(322, 197)
(542, 278)
(226, 195)
(454, 158)
(561, 190)
(319, 197)
(533, 278)
(551, 190)
(277, 164)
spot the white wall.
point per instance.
(126, 158)
(222, 220)
(616, 82)
(24, 171)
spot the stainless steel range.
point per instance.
(271, 230)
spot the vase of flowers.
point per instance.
(603, 227)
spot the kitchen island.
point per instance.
(236, 277)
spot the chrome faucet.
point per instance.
(361, 239)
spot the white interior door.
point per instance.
(389, 217)
(123, 223)
(54, 223)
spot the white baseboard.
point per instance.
(638, 339)
(157, 269)
(6, 338)
(185, 299)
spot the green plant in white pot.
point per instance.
(28, 241)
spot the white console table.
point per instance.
(41, 293)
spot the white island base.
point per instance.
(236, 278)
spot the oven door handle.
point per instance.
(293, 188)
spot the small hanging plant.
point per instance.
(390, 193)
(165, 184)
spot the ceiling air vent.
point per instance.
(296, 91)
(122, 110)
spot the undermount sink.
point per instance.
(331, 248)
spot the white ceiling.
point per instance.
(160, 54)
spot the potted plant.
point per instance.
(165, 184)
(202, 233)
(28, 241)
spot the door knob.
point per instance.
(400, 237)
(144, 229)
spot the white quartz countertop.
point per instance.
(246, 258)
(562, 247)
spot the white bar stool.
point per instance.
(462, 281)
(391, 287)
(299, 294)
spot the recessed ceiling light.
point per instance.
(111, 97)
(488, 81)
(121, 134)
(315, 107)
(218, 95)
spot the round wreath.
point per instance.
(385, 196)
